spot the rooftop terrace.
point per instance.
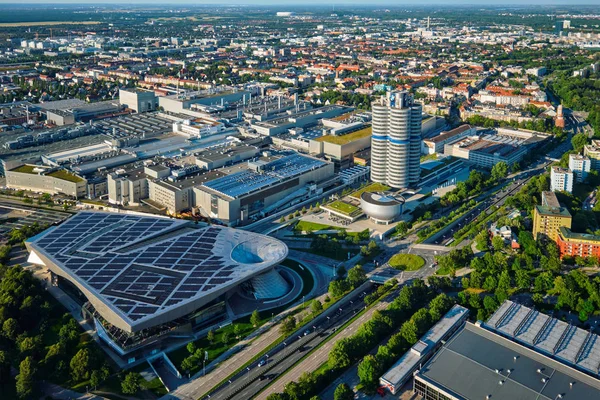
(347, 138)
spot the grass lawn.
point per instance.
(406, 262)
(25, 169)
(443, 271)
(65, 176)
(307, 226)
(347, 138)
(429, 157)
(373, 187)
(343, 207)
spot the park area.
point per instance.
(406, 262)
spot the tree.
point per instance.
(191, 347)
(499, 171)
(343, 392)
(131, 383)
(255, 318)
(10, 328)
(578, 141)
(490, 303)
(288, 325)
(439, 306)
(522, 279)
(369, 372)
(338, 287)
(225, 337)
(316, 306)
(25, 378)
(402, 228)
(356, 276)
(210, 336)
(490, 284)
(95, 378)
(80, 364)
(237, 330)
(339, 356)
(4, 367)
(504, 281)
(409, 332)
(498, 243)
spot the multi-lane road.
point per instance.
(258, 375)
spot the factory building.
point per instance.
(265, 185)
(138, 100)
(48, 180)
(200, 100)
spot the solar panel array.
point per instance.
(95, 247)
(245, 182)
(571, 345)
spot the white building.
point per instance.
(580, 165)
(396, 140)
(561, 180)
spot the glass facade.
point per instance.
(428, 392)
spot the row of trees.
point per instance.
(373, 366)
(351, 349)
(537, 124)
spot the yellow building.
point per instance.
(548, 220)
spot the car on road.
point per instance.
(262, 362)
(306, 332)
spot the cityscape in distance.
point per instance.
(300, 200)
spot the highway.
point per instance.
(261, 373)
(489, 204)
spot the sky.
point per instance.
(283, 3)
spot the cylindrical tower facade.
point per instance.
(396, 141)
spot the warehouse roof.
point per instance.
(477, 363)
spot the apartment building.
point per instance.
(561, 180)
(580, 166)
(548, 220)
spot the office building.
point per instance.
(548, 220)
(148, 278)
(580, 166)
(396, 140)
(561, 179)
